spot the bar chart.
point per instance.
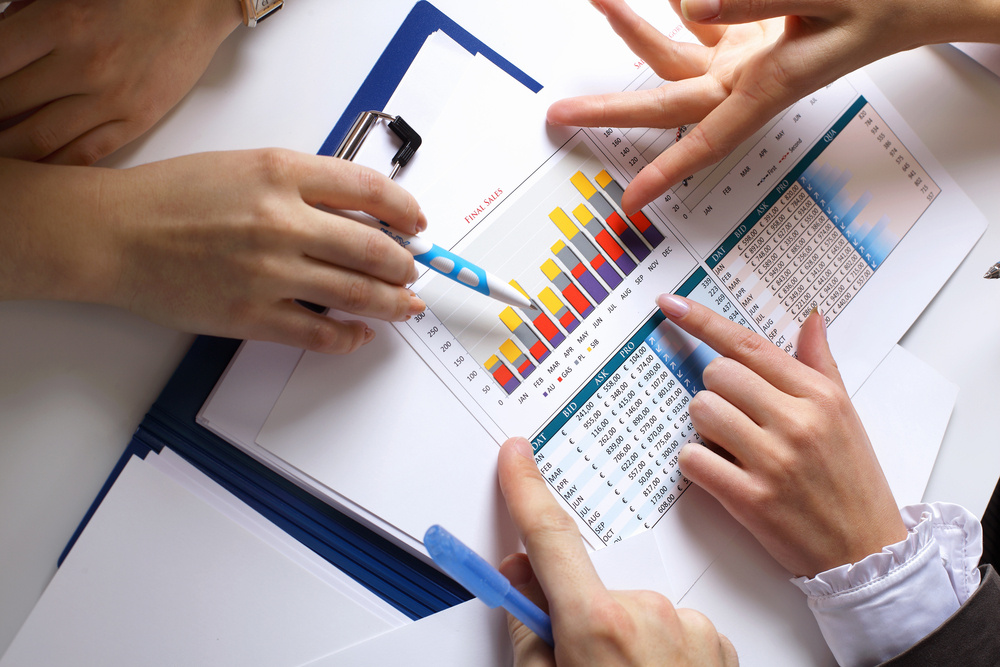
(569, 246)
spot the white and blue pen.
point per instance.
(458, 269)
(484, 581)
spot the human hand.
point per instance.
(215, 243)
(742, 75)
(791, 460)
(591, 625)
(81, 78)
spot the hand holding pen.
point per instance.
(591, 625)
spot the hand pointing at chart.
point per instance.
(591, 625)
(755, 59)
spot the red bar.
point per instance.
(538, 350)
(613, 249)
(576, 299)
(598, 261)
(616, 223)
(503, 375)
(578, 270)
(545, 326)
(567, 319)
(640, 220)
(526, 366)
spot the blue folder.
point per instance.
(384, 568)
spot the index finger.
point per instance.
(737, 342)
(343, 185)
(721, 130)
(551, 537)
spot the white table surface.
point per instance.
(75, 380)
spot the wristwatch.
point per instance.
(255, 11)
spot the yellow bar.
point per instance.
(520, 289)
(582, 213)
(563, 222)
(583, 185)
(557, 248)
(550, 269)
(511, 351)
(604, 178)
(550, 300)
(510, 318)
(492, 363)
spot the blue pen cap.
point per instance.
(466, 566)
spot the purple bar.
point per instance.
(609, 274)
(594, 288)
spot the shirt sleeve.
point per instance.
(874, 609)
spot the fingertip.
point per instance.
(557, 113)
(641, 191)
(513, 462)
(814, 346)
(673, 306)
(687, 456)
(521, 447)
(701, 11)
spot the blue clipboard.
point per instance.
(381, 82)
(395, 575)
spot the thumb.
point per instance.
(529, 648)
(814, 349)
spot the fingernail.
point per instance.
(417, 304)
(701, 10)
(369, 335)
(517, 570)
(523, 447)
(421, 221)
(414, 274)
(673, 306)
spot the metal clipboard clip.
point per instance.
(363, 125)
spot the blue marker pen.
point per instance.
(484, 581)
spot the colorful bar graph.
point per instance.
(503, 375)
(555, 306)
(639, 219)
(541, 321)
(517, 358)
(604, 209)
(604, 239)
(586, 248)
(519, 328)
(567, 288)
(579, 271)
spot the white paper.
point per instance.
(160, 577)
(987, 55)
(905, 406)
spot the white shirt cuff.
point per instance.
(875, 609)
